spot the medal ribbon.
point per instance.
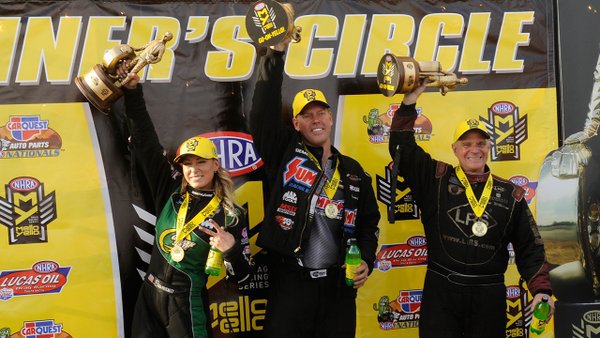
(331, 185)
(478, 206)
(183, 230)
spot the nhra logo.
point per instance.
(236, 152)
(411, 253)
(28, 136)
(507, 129)
(410, 301)
(45, 277)
(294, 170)
(589, 325)
(513, 292)
(27, 211)
(528, 186)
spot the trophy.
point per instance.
(568, 209)
(101, 86)
(401, 74)
(270, 22)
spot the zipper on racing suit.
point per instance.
(307, 213)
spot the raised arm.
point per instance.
(271, 135)
(146, 150)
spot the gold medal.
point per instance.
(479, 229)
(177, 253)
(331, 210)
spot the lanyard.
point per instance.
(183, 230)
(332, 185)
(478, 206)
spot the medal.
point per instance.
(177, 253)
(331, 211)
(479, 228)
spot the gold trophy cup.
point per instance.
(270, 22)
(401, 74)
(101, 87)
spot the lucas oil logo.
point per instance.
(28, 136)
(27, 210)
(236, 151)
(44, 277)
(411, 253)
(508, 131)
(298, 175)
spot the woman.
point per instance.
(196, 212)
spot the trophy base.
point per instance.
(98, 88)
(397, 74)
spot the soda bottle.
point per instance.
(214, 262)
(540, 315)
(352, 261)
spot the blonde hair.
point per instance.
(223, 187)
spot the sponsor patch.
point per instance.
(290, 197)
(284, 222)
(349, 221)
(295, 171)
(287, 209)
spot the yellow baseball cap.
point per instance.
(199, 146)
(469, 124)
(305, 97)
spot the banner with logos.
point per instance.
(60, 272)
(100, 209)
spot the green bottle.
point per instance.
(540, 316)
(353, 261)
(214, 262)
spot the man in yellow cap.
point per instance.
(319, 200)
(469, 217)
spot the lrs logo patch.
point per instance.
(27, 211)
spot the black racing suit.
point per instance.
(173, 299)
(464, 293)
(301, 303)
